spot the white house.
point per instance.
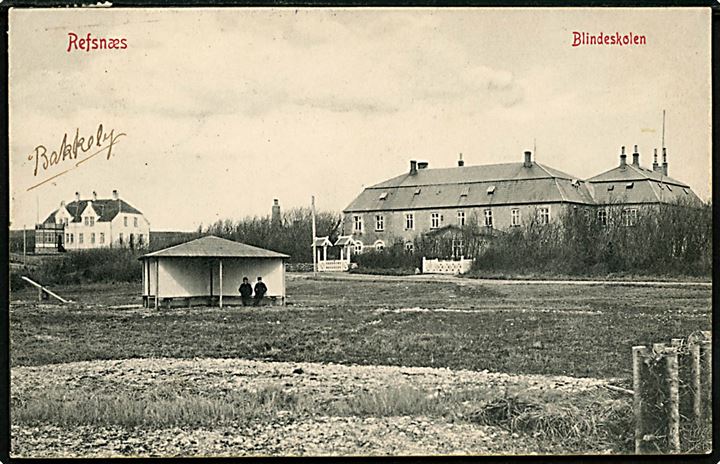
(92, 223)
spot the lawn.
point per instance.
(551, 329)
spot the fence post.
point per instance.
(656, 399)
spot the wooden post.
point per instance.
(639, 353)
(221, 282)
(705, 381)
(656, 399)
(157, 282)
(673, 404)
(313, 235)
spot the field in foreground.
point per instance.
(180, 397)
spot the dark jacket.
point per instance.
(260, 289)
(246, 290)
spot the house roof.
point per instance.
(497, 184)
(106, 209)
(631, 172)
(214, 247)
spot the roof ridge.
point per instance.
(557, 184)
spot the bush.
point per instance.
(86, 266)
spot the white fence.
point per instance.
(437, 266)
(333, 265)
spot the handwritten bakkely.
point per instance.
(97, 143)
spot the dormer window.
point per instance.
(611, 188)
(417, 191)
(491, 190)
(382, 196)
(629, 185)
(465, 192)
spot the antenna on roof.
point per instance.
(663, 130)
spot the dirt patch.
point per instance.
(285, 432)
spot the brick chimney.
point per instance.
(275, 218)
(77, 196)
(115, 195)
(461, 163)
(665, 164)
(636, 157)
(94, 195)
(623, 157)
(413, 167)
(656, 166)
(528, 159)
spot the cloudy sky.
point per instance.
(225, 110)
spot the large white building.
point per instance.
(92, 223)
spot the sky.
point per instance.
(224, 110)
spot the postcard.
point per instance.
(359, 231)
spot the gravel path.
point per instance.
(284, 435)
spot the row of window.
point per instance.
(628, 217)
(90, 221)
(436, 219)
(70, 238)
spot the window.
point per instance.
(379, 222)
(92, 238)
(418, 190)
(409, 247)
(515, 217)
(382, 196)
(629, 217)
(87, 221)
(141, 239)
(80, 238)
(409, 221)
(358, 246)
(602, 217)
(488, 218)
(72, 238)
(135, 222)
(544, 215)
(458, 248)
(434, 220)
(125, 221)
(461, 218)
(120, 238)
(67, 238)
(611, 188)
(629, 185)
(357, 223)
(465, 192)
(491, 190)
(379, 245)
(102, 237)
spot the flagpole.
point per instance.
(313, 237)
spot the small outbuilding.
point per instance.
(209, 271)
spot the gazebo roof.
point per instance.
(322, 241)
(214, 247)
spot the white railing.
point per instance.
(333, 265)
(446, 266)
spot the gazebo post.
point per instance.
(157, 282)
(324, 252)
(221, 287)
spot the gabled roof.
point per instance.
(106, 209)
(497, 184)
(344, 240)
(322, 241)
(214, 247)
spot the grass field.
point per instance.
(539, 328)
(518, 329)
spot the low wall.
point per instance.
(448, 266)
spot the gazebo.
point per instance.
(208, 271)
